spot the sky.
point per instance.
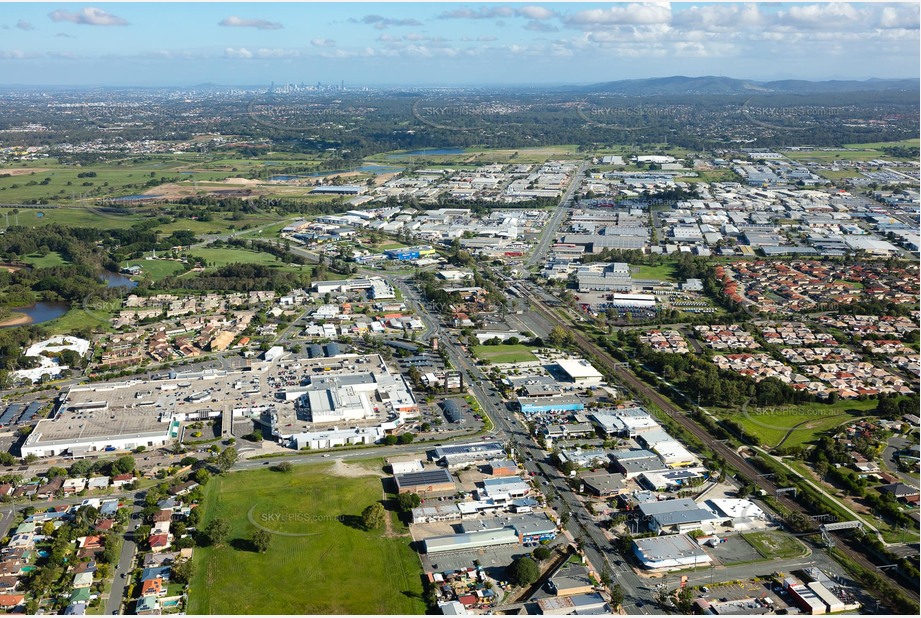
(449, 43)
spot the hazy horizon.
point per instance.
(450, 44)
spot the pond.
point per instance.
(42, 311)
(117, 280)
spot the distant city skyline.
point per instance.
(508, 43)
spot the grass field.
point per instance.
(503, 353)
(775, 545)
(662, 272)
(51, 259)
(334, 568)
(76, 320)
(216, 257)
(854, 152)
(157, 269)
(75, 217)
(803, 423)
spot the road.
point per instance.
(508, 427)
(745, 469)
(547, 236)
(125, 562)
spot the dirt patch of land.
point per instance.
(22, 171)
(340, 468)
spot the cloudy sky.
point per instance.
(150, 44)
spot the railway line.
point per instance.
(745, 469)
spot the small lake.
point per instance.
(41, 311)
(117, 280)
(427, 151)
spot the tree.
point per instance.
(541, 553)
(261, 540)
(617, 595)
(123, 465)
(408, 502)
(201, 476)
(406, 438)
(181, 572)
(284, 466)
(684, 600)
(217, 531)
(227, 459)
(373, 516)
(523, 571)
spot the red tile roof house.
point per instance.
(90, 542)
(159, 541)
(9, 601)
(122, 479)
(105, 525)
(6, 489)
(153, 586)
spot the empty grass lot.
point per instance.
(790, 426)
(498, 354)
(48, 260)
(662, 272)
(775, 545)
(338, 569)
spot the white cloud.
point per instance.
(239, 52)
(380, 22)
(88, 16)
(240, 22)
(17, 54)
(621, 14)
(484, 12)
(900, 16)
(535, 12)
(24, 25)
(822, 16)
(322, 42)
(539, 26)
(717, 17)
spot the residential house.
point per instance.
(153, 587)
(159, 541)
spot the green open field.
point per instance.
(157, 269)
(662, 272)
(711, 176)
(803, 423)
(775, 545)
(318, 562)
(853, 152)
(503, 353)
(45, 261)
(76, 217)
(216, 257)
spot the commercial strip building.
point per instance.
(676, 551)
(433, 481)
(528, 528)
(460, 455)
